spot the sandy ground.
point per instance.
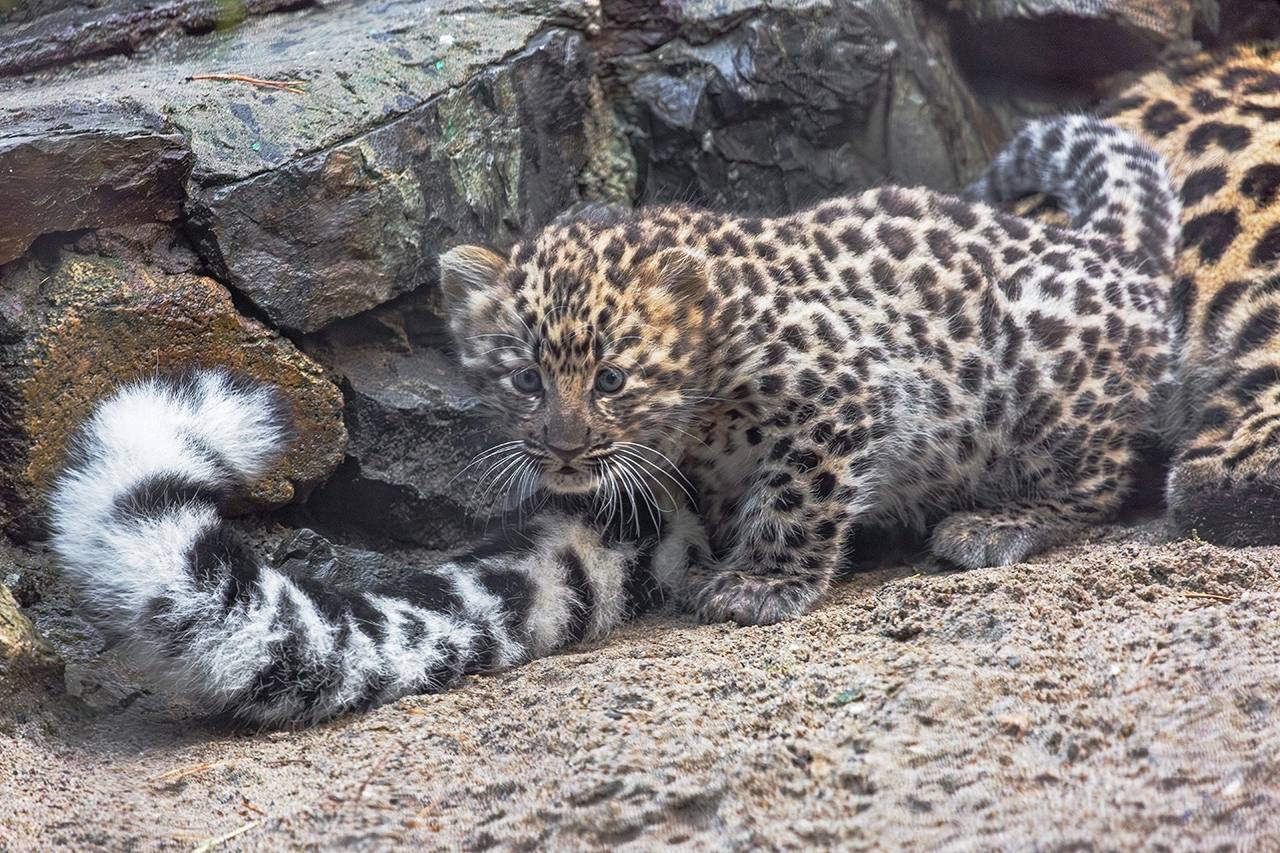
(1117, 694)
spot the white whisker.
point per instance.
(483, 455)
(640, 479)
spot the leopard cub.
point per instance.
(901, 356)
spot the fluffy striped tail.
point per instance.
(1106, 179)
(136, 523)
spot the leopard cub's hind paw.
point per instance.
(976, 540)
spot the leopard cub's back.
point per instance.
(969, 351)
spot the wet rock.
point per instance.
(307, 554)
(344, 230)
(766, 107)
(74, 325)
(25, 657)
(67, 167)
(1166, 19)
(413, 428)
(65, 33)
(22, 11)
(413, 125)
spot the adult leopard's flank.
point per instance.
(708, 403)
(1216, 118)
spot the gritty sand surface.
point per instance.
(1121, 693)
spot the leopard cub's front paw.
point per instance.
(753, 600)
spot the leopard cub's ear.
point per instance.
(469, 278)
(679, 271)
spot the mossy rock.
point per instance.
(76, 326)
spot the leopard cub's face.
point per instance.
(594, 366)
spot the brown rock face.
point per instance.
(346, 229)
(67, 167)
(24, 655)
(74, 326)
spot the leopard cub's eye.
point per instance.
(610, 380)
(527, 381)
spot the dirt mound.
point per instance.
(1123, 690)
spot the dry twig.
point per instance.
(376, 769)
(1211, 595)
(208, 845)
(181, 773)
(292, 86)
(253, 808)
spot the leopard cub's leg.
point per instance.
(784, 542)
(1010, 533)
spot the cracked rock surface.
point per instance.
(415, 125)
(413, 428)
(24, 655)
(767, 107)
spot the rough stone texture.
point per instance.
(430, 122)
(66, 32)
(766, 107)
(1165, 19)
(25, 657)
(413, 429)
(1118, 694)
(73, 326)
(306, 554)
(362, 65)
(344, 230)
(1068, 39)
(85, 166)
(423, 123)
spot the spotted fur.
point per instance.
(1216, 119)
(1108, 183)
(898, 357)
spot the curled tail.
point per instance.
(136, 524)
(1106, 179)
